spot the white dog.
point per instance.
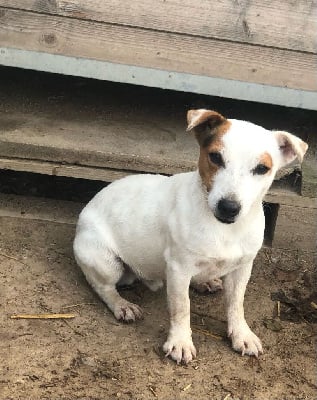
(190, 228)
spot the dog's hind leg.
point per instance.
(104, 270)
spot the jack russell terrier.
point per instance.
(188, 229)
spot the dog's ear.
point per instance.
(200, 117)
(290, 146)
(203, 122)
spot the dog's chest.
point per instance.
(217, 267)
(223, 256)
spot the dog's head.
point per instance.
(238, 161)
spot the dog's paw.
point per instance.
(246, 342)
(128, 312)
(180, 350)
(211, 286)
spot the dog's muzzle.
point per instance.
(227, 211)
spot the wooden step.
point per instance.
(122, 139)
(103, 132)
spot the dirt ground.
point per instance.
(92, 356)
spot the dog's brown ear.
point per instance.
(203, 122)
(290, 146)
(199, 117)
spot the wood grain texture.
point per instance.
(279, 196)
(42, 316)
(161, 50)
(288, 198)
(283, 24)
(296, 228)
(58, 169)
(38, 208)
(309, 177)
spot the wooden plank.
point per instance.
(296, 228)
(309, 178)
(96, 159)
(289, 198)
(151, 77)
(150, 140)
(37, 208)
(97, 148)
(129, 136)
(58, 169)
(171, 52)
(277, 196)
(284, 24)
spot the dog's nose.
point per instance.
(227, 210)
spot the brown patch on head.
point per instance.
(203, 122)
(209, 127)
(266, 160)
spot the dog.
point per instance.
(188, 229)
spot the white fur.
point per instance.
(164, 229)
(244, 143)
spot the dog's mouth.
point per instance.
(226, 220)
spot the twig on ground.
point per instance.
(43, 316)
(313, 305)
(204, 315)
(79, 305)
(152, 390)
(187, 387)
(278, 309)
(73, 329)
(13, 258)
(207, 333)
(267, 256)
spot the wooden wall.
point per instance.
(259, 41)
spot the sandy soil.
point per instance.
(94, 357)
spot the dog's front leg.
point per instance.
(243, 339)
(179, 344)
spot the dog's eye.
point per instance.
(260, 169)
(217, 159)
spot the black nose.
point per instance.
(227, 210)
